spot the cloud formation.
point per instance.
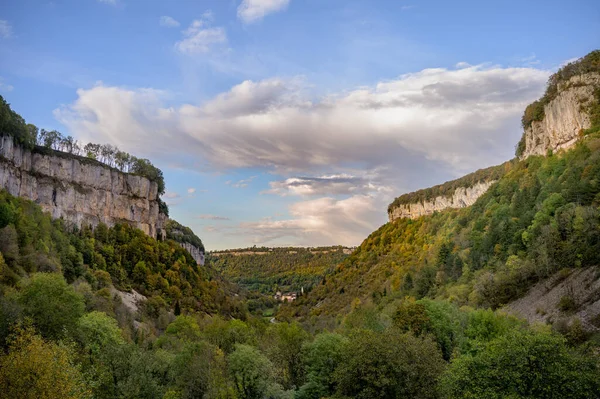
(368, 144)
(250, 11)
(342, 184)
(168, 22)
(5, 87)
(241, 183)
(322, 221)
(200, 38)
(212, 217)
(463, 118)
(5, 29)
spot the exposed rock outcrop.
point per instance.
(83, 192)
(187, 239)
(564, 117)
(576, 291)
(196, 253)
(462, 197)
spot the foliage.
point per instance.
(37, 369)
(541, 216)
(51, 303)
(182, 234)
(13, 125)
(321, 357)
(251, 372)
(125, 256)
(388, 365)
(522, 364)
(269, 270)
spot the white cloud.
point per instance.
(463, 119)
(241, 183)
(322, 221)
(168, 22)
(250, 11)
(5, 29)
(191, 190)
(170, 194)
(213, 217)
(5, 87)
(341, 184)
(111, 2)
(199, 37)
(404, 133)
(171, 198)
(407, 7)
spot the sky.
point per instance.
(290, 122)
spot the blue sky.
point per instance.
(290, 122)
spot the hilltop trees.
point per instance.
(29, 136)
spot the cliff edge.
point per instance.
(80, 190)
(565, 117)
(568, 111)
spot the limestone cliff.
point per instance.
(565, 117)
(460, 198)
(187, 239)
(82, 191)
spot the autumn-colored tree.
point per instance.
(37, 369)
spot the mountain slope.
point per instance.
(540, 216)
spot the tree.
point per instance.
(284, 346)
(388, 365)
(97, 331)
(522, 364)
(251, 371)
(53, 305)
(321, 357)
(36, 369)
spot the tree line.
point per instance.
(29, 136)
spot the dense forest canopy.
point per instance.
(269, 270)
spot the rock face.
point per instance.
(462, 197)
(543, 301)
(196, 253)
(564, 117)
(80, 191)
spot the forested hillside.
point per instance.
(269, 270)
(96, 259)
(412, 313)
(541, 216)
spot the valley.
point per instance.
(486, 286)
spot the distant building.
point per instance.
(288, 296)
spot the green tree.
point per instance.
(98, 331)
(388, 365)
(321, 357)
(53, 305)
(284, 345)
(251, 371)
(522, 364)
